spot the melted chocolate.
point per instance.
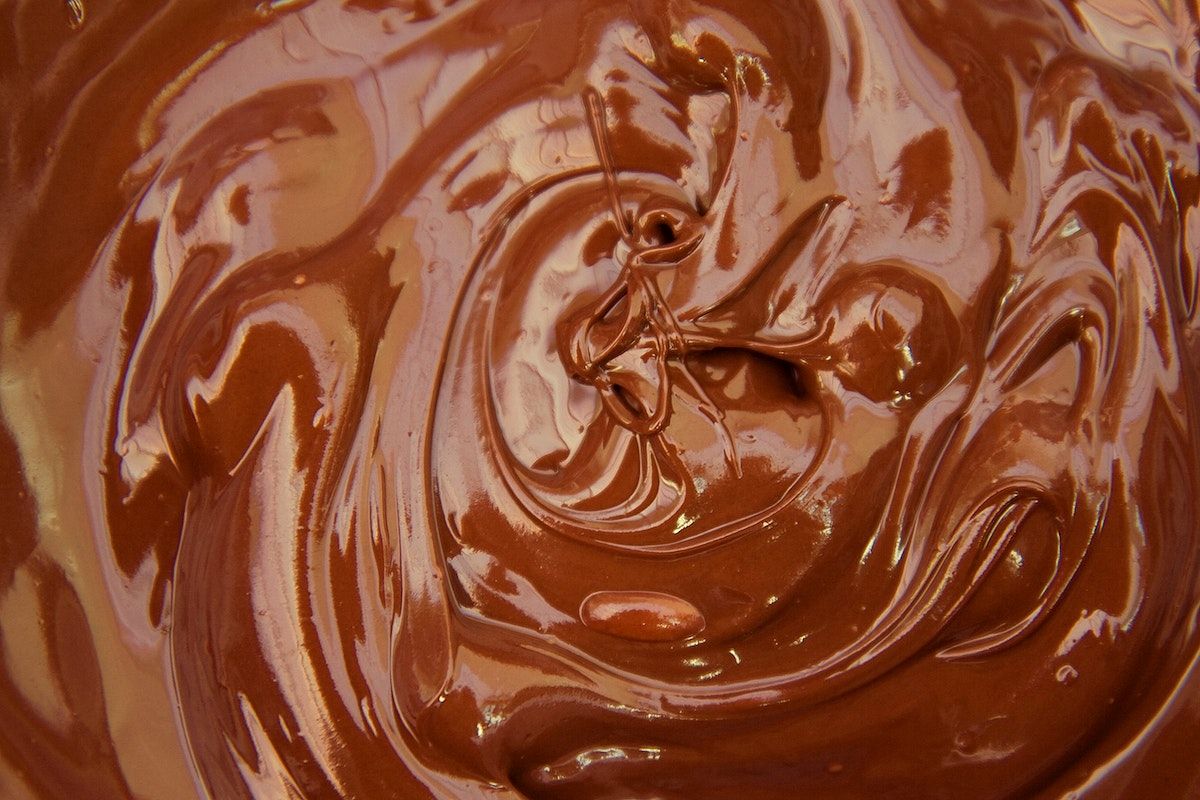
(570, 399)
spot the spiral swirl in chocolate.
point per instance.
(563, 399)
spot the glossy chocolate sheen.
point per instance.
(565, 399)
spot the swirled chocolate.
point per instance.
(570, 399)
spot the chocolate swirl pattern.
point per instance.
(585, 400)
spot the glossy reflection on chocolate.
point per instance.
(570, 399)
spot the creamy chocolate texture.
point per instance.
(578, 399)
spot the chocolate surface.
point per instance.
(574, 399)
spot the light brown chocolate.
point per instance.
(571, 399)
